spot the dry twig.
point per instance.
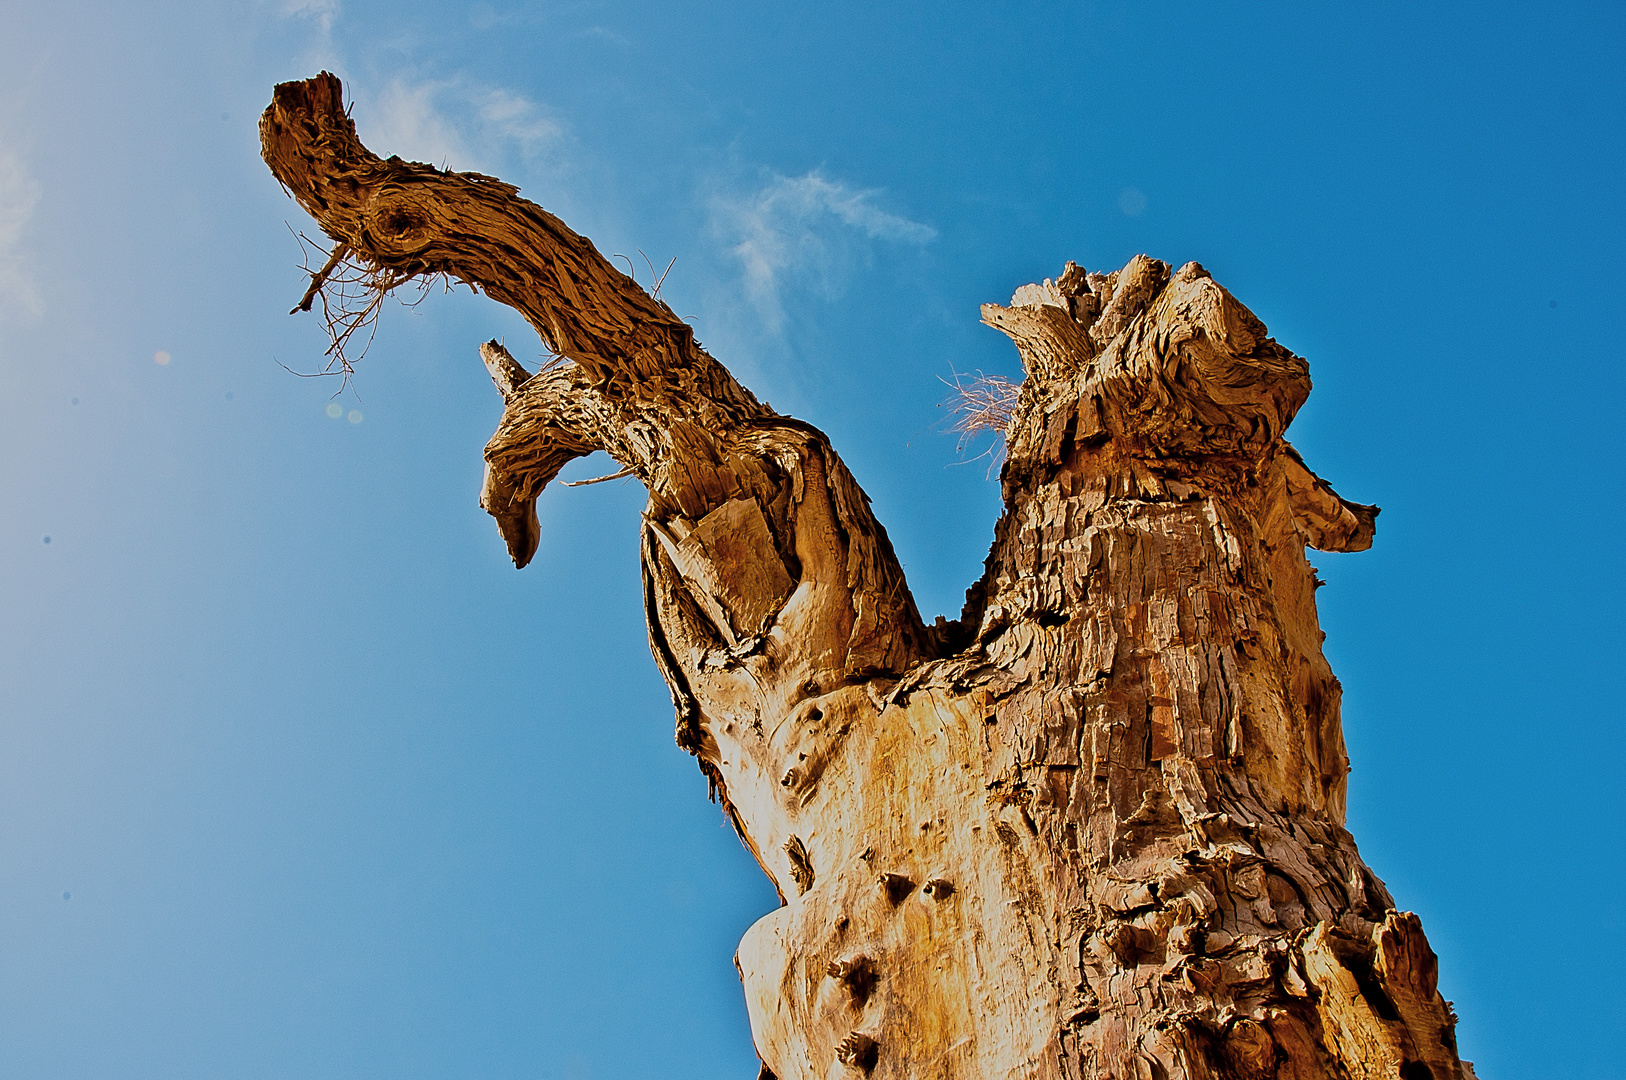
(980, 403)
(628, 471)
(352, 292)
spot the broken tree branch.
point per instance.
(319, 278)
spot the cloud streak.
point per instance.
(322, 12)
(803, 232)
(456, 124)
(19, 193)
(519, 120)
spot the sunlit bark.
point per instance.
(1094, 828)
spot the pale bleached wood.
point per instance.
(1094, 828)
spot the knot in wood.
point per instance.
(897, 887)
(858, 1051)
(857, 975)
(395, 225)
(801, 866)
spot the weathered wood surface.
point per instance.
(1094, 828)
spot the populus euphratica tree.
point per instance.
(1094, 827)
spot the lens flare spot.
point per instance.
(355, 416)
(1131, 201)
(334, 410)
(160, 357)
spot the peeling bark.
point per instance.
(1094, 828)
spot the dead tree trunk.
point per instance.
(1094, 828)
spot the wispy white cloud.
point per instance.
(406, 120)
(517, 118)
(456, 124)
(483, 16)
(323, 12)
(803, 232)
(19, 193)
(319, 51)
(454, 121)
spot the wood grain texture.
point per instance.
(1094, 828)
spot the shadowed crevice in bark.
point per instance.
(1120, 775)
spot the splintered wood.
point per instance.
(1093, 828)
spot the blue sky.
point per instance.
(298, 777)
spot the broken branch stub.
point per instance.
(1119, 775)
